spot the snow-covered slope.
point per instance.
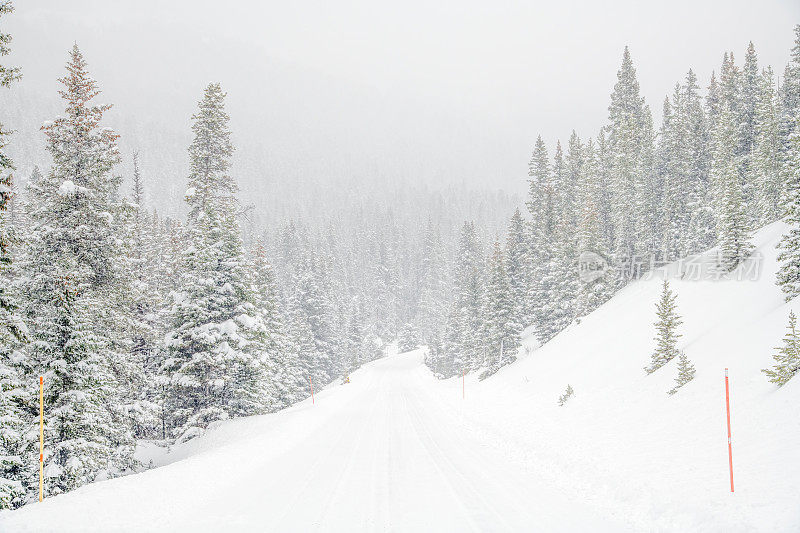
(397, 450)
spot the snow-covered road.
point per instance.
(391, 451)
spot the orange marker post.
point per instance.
(41, 438)
(312, 389)
(728, 410)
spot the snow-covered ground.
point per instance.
(398, 450)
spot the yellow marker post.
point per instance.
(41, 438)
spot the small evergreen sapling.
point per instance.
(566, 396)
(666, 330)
(685, 373)
(787, 357)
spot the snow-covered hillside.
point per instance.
(397, 450)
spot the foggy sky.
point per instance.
(440, 93)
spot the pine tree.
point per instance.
(432, 310)
(214, 366)
(787, 357)
(463, 349)
(12, 329)
(788, 277)
(72, 283)
(518, 266)
(666, 330)
(502, 337)
(541, 205)
(685, 373)
(700, 233)
(790, 92)
(596, 281)
(630, 156)
(408, 339)
(750, 97)
(767, 152)
(732, 225)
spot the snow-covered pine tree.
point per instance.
(409, 338)
(72, 283)
(700, 232)
(12, 329)
(731, 219)
(685, 373)
(750, 97)
(541, 206)
(463, 349)
(767, 152)
(214, 364)
(518, 266)
(790, 91)
(630, 139)
(666, 330)
(143, 394)
(788, 277)
(596, 283)
(432, 308)
(502, 332)
(787, 357)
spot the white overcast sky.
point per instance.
(449, 90)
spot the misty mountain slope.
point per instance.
(397, 450)
(661, 460)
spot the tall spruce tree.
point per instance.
(732, 223)
(215, 364)
(630, 138)
(72, 282)
(768, 172)
(12, 329)
(788, 277)
(502, 330)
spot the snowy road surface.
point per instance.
(387, 452)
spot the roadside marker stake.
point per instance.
(728, 410)
(312, 390)
(463, 385)
(41, 438)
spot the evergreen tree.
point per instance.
(463, 349)
(750, 97)
(788, 277)
(595, 286)
(408, 339)
(518, 266)
(732, 226)
(214, 366)
(502, 338)
(790, 92)
(685, 373)
(787, 357)
(12, 329)
(72, 282)
(767, 152)
(666, 330)
(700, 233)
(630, 156)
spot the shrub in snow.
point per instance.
(787, 357)
(666, 330)
(685, 373)
(566, 396)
